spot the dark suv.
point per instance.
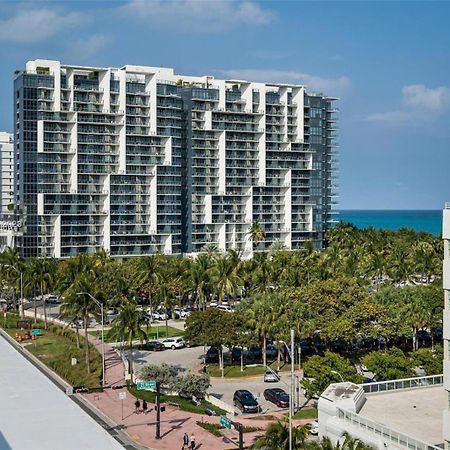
(245, 401)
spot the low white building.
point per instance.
(398, 414)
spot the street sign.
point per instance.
(146, 385)
(36, 332)
(122, 395)
(225, 422)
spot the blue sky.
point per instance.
(389, 62)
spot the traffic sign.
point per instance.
(122, 395)
(225, 422)
(36, 332)
(146, 385)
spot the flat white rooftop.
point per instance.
(36, 415)
(416, 412)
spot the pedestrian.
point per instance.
(186, 441)
(137, 405)
(192, 441)
(144, 407)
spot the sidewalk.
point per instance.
(174, 423)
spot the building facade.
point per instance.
(446, 322)
(138, 160)
(6, 172)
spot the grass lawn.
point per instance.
(152, 333)
(56, 348)
(185, 403)
(306, 413)
(234, 371)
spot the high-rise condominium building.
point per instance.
(6, 172)
(138, 160)
(446, 323)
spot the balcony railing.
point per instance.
(407, 383)
(376, 429)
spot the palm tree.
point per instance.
(43, 271)
(256, 233)
(71, 308)
(225, 277)
(165, 292)
(276, 437)
(12, 265)
(149, 267)
(262, 317)
(198, 281)
(127, 326)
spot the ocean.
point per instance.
(420, 220)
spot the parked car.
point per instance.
(53, 299)
(254, 353)
(226, 308)
(244, 400)
(173, 343)
(314, 427)
(159, 315)
(277, 396)
(271, 377)
(153, 346)
(212, 356)
(271, 351)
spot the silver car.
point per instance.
(271, 377)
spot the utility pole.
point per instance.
(291, 396)
(158, 410)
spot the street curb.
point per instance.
(105, 422)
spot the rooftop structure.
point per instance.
(138, 160)
(36, 415)
(390, 414)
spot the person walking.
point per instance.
(137, 405)
(186, 441)
(192, 441)
(144, 407)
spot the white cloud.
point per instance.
(198, 15)
(330, 86)
(33, 25)
(419, 96)
(83, 49)
(416, 98)
(391, 116)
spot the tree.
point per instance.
(389, 364)
(225, 277)
(127, 326)
(164, 292)
(211, 327)
(429, 360)
(276, 437)
(321, 371)
(256, 233)
(191, 385)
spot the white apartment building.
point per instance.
(446, 322)
(138, 160)
(6, 172)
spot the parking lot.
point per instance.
(224, 390)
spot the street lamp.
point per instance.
(291, 387)
(19, 272)
(100, 304)
(337, 373)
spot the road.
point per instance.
(189, 358)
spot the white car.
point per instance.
(173, 343)
(314, 427)
(226, 308)
(54, 299)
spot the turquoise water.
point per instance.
(420, 220)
